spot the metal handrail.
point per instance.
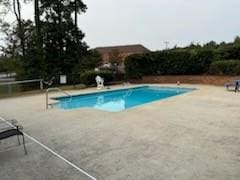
(56, 89)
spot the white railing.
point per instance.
(9, 84)
(7, 75)
(55, 89)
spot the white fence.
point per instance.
(7, 75)
(10, 85)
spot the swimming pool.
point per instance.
(119, 100)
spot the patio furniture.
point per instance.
(234, 85)
(100, 82)
(14, 130)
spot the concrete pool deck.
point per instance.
(192, 136)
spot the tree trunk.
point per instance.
(76, 21)
(38, 25)
(60, 38)
(39, 38)
(17, 12)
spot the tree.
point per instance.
(39, 38)
(5, 7)
(4, 26)
(62, 39)
(34, 64)
(211, 45)
(237, 41)
(115, 57)
(17, 12)
(53, 43)
(12, 46)
(79, 6)
(8, 65)
(90, 61)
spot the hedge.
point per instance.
(88, 77)
(225, 67)
(172, 62)
(135, 65)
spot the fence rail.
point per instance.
(19, 83)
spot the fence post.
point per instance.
(9, 90)
(41, 85)
(47, 99)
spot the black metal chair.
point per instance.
(14, 130)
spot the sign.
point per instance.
(63, 79)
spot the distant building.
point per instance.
(117, 54)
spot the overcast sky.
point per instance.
(152, 22)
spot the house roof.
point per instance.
(136, 48)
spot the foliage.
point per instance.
(62, 40)
(12, 42)
(115, 57)
(88, 77)
(53, 44)
(138, 65)
(170, 62)
(203, 59)
(225, 67)
(8, 65)
(90, 61)
(5, 7)
(190, 60)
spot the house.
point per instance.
(115, 55)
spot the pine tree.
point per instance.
(53, 43)
(62, 37)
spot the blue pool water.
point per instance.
(119, 100)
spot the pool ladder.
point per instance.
(55, 89)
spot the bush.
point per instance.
(8, 65)
(88, 77)
(225, 67)
(172, 62)
(229, 52)
(138, 65)
(203, 59)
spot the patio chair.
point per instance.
(16, 130)
(100, 82)
(235, 85)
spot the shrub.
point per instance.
(229, 52)
(225, 67)
(136, 65)
(203, 59)
(171, 62)
(88, 77)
